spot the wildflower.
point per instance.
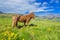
(8, 27)
(12, 34)
(15, 36)
(46, 36)
(49, 29)
(6, 32)
(9, 38)
(23, 38)
(2, 39)
(32, 32)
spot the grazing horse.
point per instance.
(25, 18)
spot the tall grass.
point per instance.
(41, 29)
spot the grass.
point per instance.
(42, 29)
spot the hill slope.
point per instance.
(38, 29)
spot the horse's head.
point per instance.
(32, 15)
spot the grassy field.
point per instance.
(38, 29)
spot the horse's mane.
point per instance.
(30, 14)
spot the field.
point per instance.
(38, 29)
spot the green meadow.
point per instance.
(38, 29)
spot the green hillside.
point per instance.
(38, 29)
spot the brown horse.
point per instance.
(24, 18)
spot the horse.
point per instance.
(24, 18)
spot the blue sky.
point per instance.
(39, 7)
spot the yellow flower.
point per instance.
(32, 32)
(49, 29)
(2, 39)
(9, 38)
(46, 36)
(23, 39)
(6, 32)
(12, 34)
(15, 36)
(8, 27)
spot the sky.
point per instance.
(39, 7)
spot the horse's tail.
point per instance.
(15, 20)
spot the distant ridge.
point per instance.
(1, 12)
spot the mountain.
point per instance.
(1, 12)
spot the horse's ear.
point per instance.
(32, 12)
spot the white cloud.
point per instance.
(49, 10)
(42, 9)
(51, 1)
(45, 3)
(56, 1)
(37, 4)
(20, 6)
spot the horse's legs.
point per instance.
(26, 22)
(13, 24)
(16, 23)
